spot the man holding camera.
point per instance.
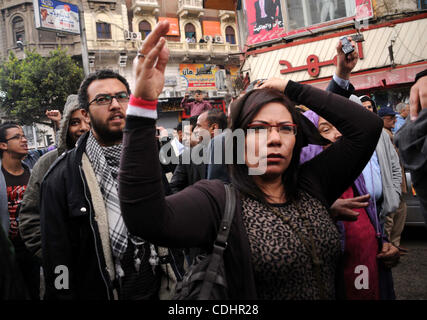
(197, 106)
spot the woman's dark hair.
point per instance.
(3, 129)
(98, 75)
(243, 112)
(373, 104)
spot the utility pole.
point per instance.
(85, 55)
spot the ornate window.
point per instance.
(230, 35)
(144, 28)
(18, 29)
(103, 30)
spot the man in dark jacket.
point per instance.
(75, 122)
(412, 139)
(206, 128)
(87, 250)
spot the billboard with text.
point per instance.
(52, 15)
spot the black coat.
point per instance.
(70, 236)
(187, 174)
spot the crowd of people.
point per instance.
(100, 216)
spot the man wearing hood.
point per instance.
(74, 123)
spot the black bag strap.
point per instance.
(220, 243)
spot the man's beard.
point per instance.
(104, 133)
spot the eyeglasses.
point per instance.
(17, 136)
(106, 99)
(283, 128)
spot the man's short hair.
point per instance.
(3, 130)
(400, 106)
(217, 116)
(198, 92)
(98, 75)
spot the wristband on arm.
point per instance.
(142, 108)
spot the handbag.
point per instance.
(205, 279)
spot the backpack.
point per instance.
(205, 279)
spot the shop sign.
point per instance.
(313, 64)
(205, 76)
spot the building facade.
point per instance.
(392, 44)
(203, 44)
(17, 23)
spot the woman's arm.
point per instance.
(189, 218)
(329, 174)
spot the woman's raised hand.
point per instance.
(274, 83)
(150, 64)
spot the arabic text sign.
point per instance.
(198, 76)
(313, 64)
(58, 16)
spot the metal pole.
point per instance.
(85, 55)
(35, 136)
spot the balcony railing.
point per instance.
(202, 49)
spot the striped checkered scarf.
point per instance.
(105, 162)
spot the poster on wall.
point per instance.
(265, 20)
(364, 9)
(52, 15)
(206, 76)
(173, 25)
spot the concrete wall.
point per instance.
(386, 7)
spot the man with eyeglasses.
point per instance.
(81, 223)
(14, 176)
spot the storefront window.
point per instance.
(389, 97)
(304, 13)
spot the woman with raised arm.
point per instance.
(282, 244)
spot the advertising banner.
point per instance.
(211, 28)
(265, 20)
(364, 9)
(52, 15)
(173, 25)
(206, 77)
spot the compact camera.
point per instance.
(347, 47)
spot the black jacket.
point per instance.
(70, 234)
(187, 174)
